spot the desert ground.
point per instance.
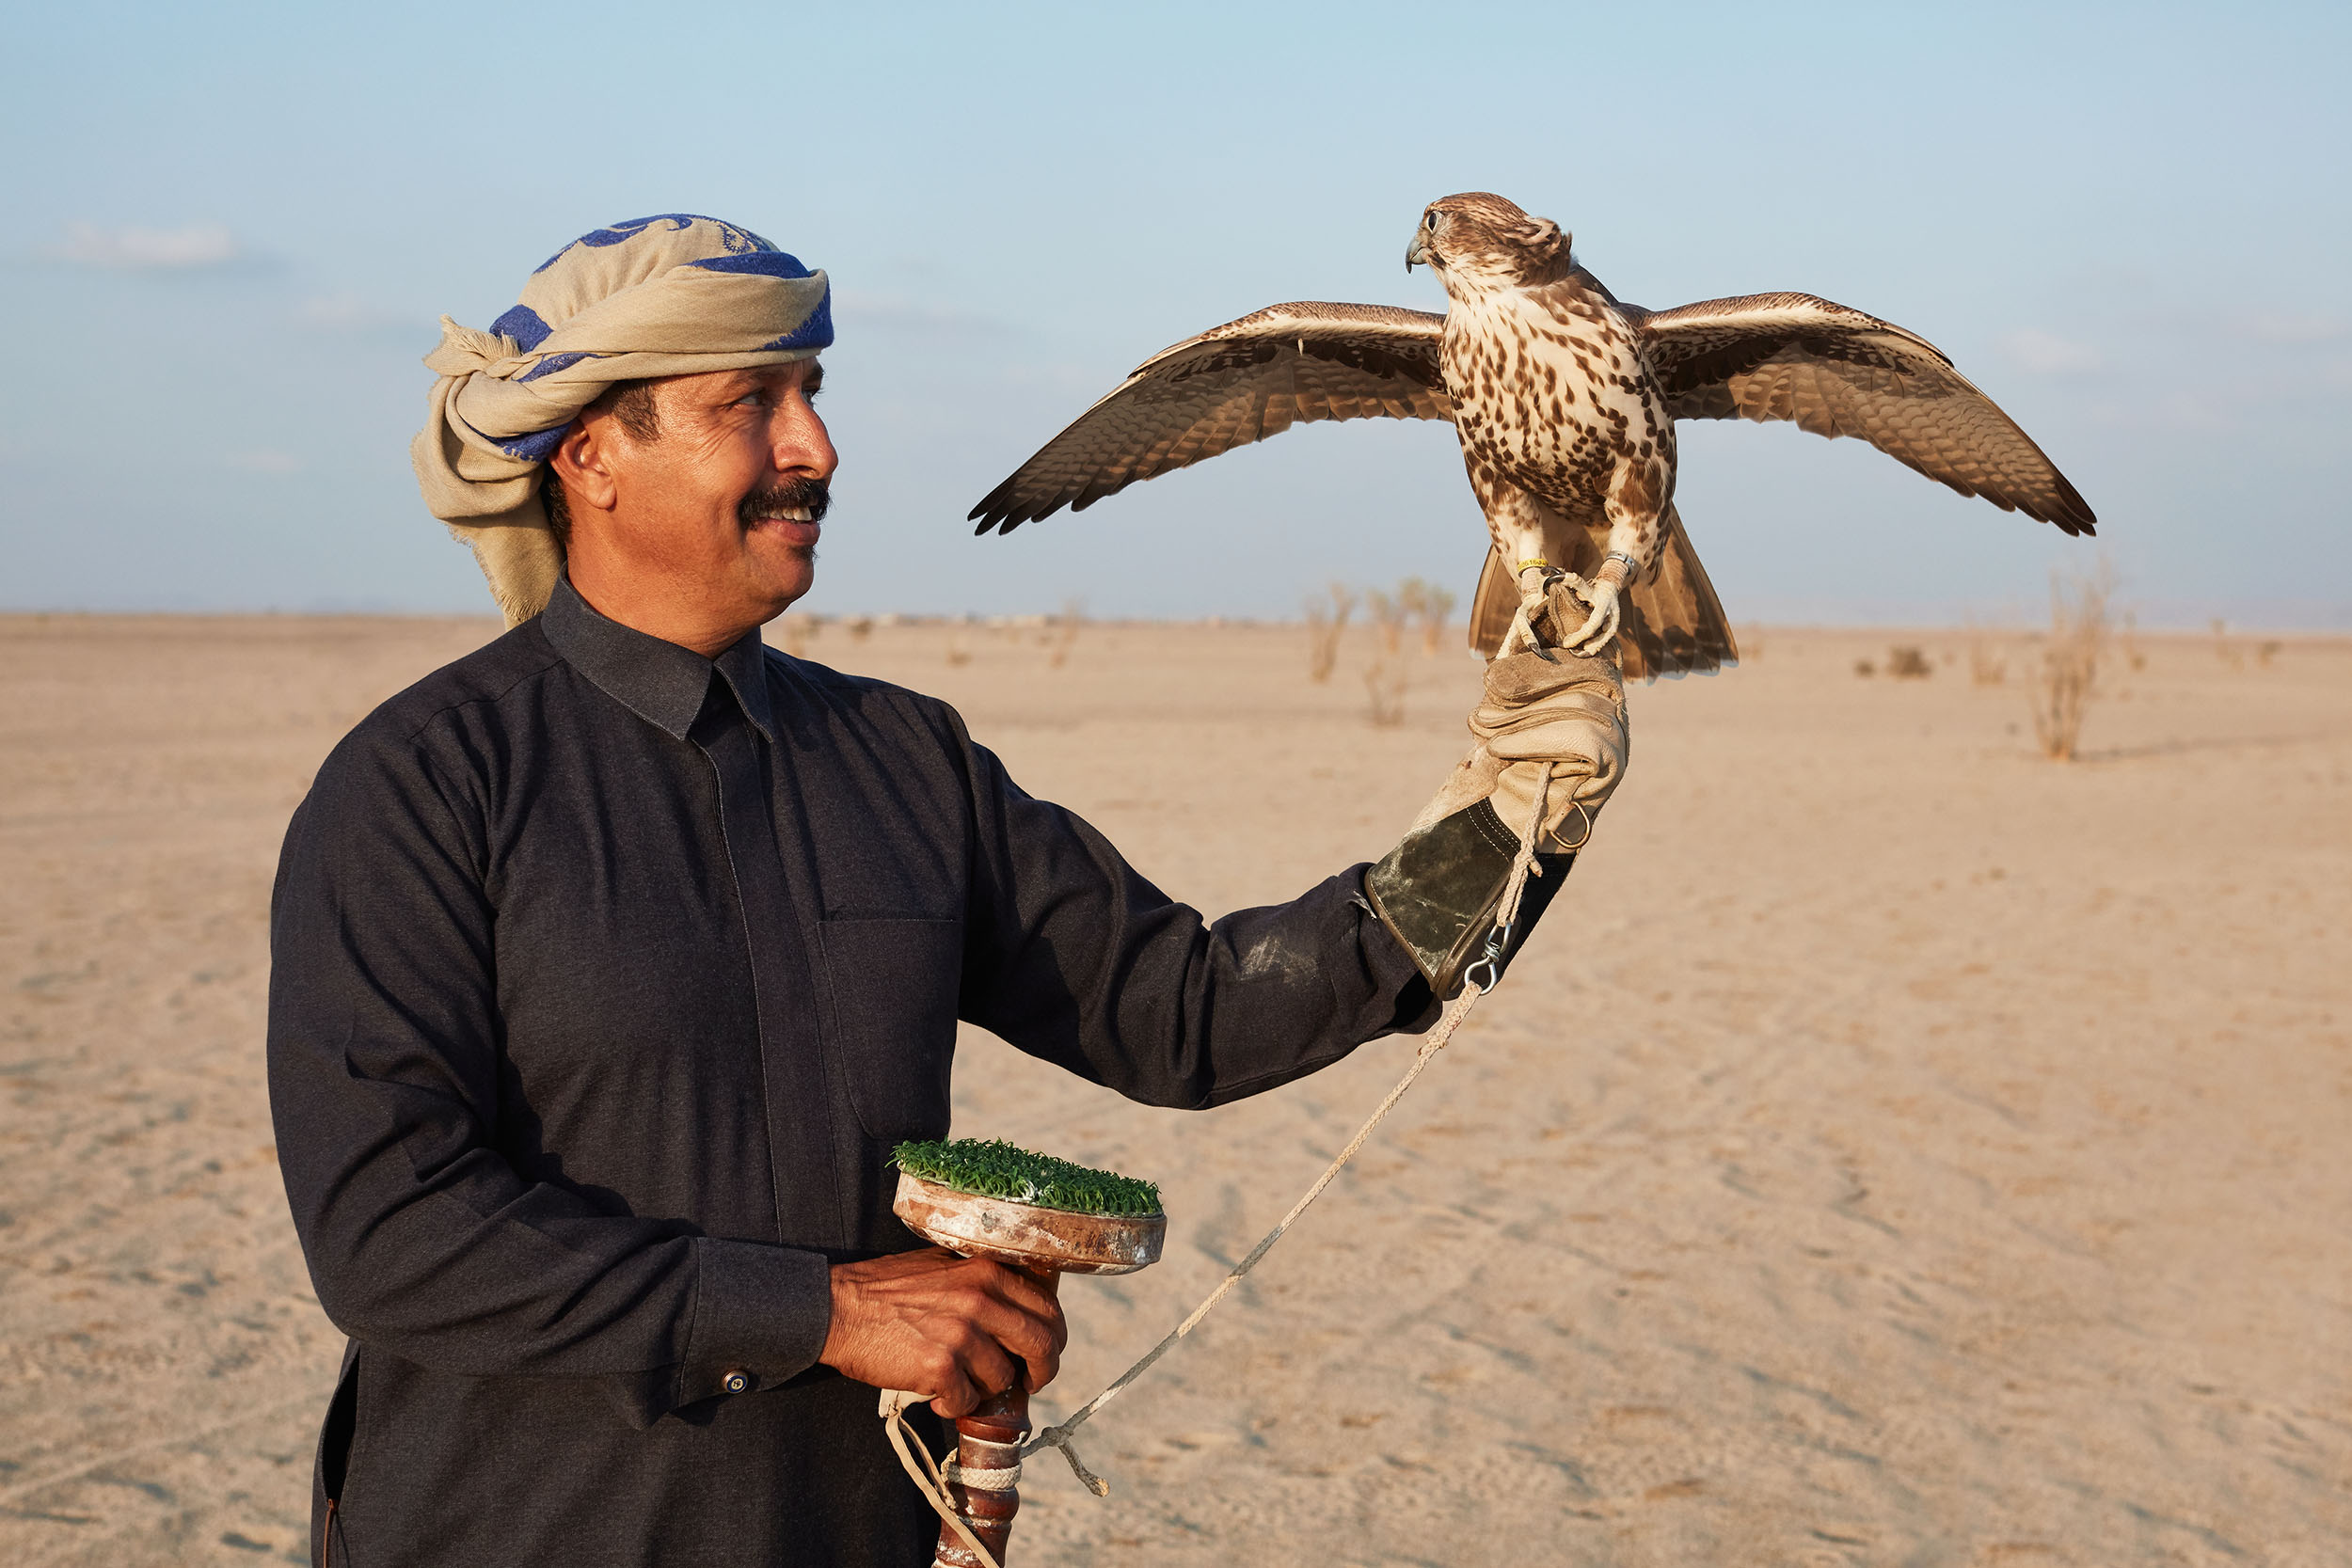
(1894, 1147)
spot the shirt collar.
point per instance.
(660, 682)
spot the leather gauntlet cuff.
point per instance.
(1439, 891)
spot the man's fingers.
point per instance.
(985, 1365)
(1041, 1371)
(1038, 1341)
(1024, 1316)
(1038, 1298)
(951, 1391)
(1033, 1338)
(1014, 1315)
(956, 1330)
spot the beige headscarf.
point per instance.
(670, 296)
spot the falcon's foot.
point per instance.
(1535, 579)
(1601, 624)
(1537, 583)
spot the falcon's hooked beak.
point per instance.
(1416, 254)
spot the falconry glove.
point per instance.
(1440, 891)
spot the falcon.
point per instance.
(1565, 400)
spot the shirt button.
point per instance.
(736, 1383)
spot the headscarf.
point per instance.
(673, 294)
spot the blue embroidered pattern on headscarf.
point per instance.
(730, 235)
(769, 264)
(535, 448)
(555, 362)
(815, 332)
(523, 325)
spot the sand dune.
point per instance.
(1894, 1149)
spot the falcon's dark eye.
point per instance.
(1430, 221)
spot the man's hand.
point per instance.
(956, 1329)
(1440, 891)
(1556, 706)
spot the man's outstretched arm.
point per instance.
(1073, 957)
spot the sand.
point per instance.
(1895, 1148)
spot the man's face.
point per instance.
(725, 502)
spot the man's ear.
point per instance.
(582, 463)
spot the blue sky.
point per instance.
(228, 231)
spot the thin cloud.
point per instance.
(2040, 352)
(131, 248)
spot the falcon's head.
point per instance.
(1478, 238)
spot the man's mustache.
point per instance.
(782, 500)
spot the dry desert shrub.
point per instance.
(1433, 609)
(1987, 664)
(861, 626)
(1865, 667)
(1064, 632)
(1908, 662)
(1411, 594)
(2079, 630)
(1385, 681)
(1326, 620)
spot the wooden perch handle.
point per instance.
(990, 1438)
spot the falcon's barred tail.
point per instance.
(1672, 624)
(1492, 607)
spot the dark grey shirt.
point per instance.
(605, 977)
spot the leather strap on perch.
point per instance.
(931, 1479)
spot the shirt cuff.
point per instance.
(762, 1314)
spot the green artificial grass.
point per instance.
(992, 1169)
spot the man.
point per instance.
(612, 961)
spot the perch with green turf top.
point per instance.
(1046, 1217)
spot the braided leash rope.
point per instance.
(932, 1478)
(1522, 868)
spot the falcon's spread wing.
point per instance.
(1231, 386)
(1837, 371)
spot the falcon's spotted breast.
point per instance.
(1565, 399)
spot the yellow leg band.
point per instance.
(1531, 561)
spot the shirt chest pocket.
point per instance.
(893, 987)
